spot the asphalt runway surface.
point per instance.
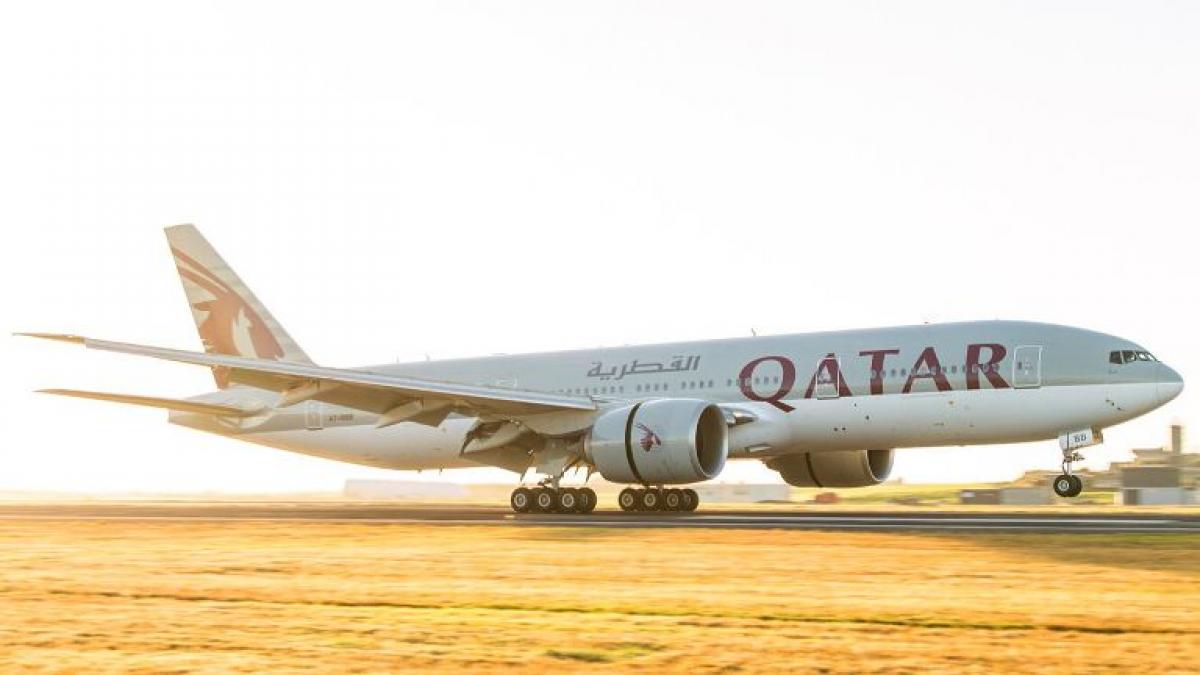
(1058, 522)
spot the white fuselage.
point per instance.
(919, 386)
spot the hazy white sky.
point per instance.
(462, 178)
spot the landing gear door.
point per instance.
(829, 372)
(1027, 367)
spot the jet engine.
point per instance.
(662, 441)
(837, 468)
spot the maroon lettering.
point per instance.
(877, 357)
(927, 367)
(786, 381)
(989, 368)
(828, 371)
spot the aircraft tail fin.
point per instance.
(229, 318)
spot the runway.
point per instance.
(402, 514)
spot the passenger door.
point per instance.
(312, 416)
(1027, 367)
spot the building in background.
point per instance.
(402, 489)
(1022, 496)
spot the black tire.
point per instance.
(544, 500)
(692, 499)
(567, 501)
(521, 500)
(588, 497)
(1064, 484)
(673, 499)
(628, 499)
(651, 500)
(1077, 486)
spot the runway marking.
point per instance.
(931, 519)
(1093, 525)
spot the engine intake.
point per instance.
(662, 441)
(837, 468)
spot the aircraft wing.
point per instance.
(396, 398)
(182, 405)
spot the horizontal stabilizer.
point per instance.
(156, 402)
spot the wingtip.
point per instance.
(60, 337)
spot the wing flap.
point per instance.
(181, 405)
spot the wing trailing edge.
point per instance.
(366, 390)
(181, 405)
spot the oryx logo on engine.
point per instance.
(649, 439)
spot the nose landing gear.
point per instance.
(1068, 484)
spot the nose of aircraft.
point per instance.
(1169, 383)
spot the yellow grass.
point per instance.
(178, 597)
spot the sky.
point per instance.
(397, 180)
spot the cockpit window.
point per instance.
(1129, 356)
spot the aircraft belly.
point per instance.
(961, 417)
(846, 423)
(866, 422)
(406, 446)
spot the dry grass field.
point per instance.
(330, 597)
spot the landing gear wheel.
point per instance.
(1077, 487)
(568, 501)
(691, 499)
(1068, 485)
(628, 499)
(651, 500)
(543, 500)
(673, 500)
(521, 500)
(1063, 485)
(587, 498)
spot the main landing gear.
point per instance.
(1068, 484)
(658, 499)
(546, 499)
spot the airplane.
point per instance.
(822, 409)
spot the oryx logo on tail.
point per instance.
(228, 325)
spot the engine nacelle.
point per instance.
(837, 468)
(662, 441)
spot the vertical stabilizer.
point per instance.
(229, 318)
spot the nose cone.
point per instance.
(1169, 383)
